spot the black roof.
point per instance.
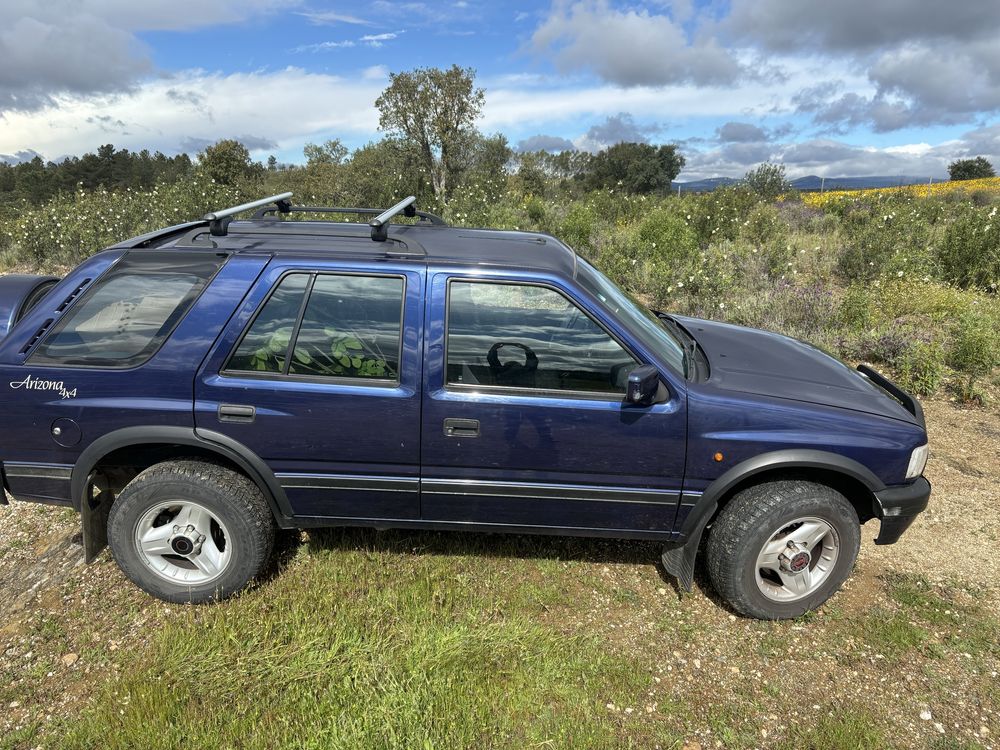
(421, 242)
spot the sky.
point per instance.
(826, 87)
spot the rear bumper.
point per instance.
(898, 507)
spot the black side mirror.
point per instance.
(643, 385)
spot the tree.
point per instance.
(227, 162)
(331, 152)
(768, 181)
(435, 110)
(970, 169)
(635, 168)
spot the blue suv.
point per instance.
(193, 390)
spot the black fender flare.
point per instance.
(679, 557)
(214, 442)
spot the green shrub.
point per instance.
(975, 350)
(969, 254)
(577, 227)
(886, 237)
(764, 226)
(719, 215)
(856, 308)
(922, 367)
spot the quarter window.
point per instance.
(350, 327)
(128, 313)
(521, 336)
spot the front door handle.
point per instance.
(461, 428)
(237, 413)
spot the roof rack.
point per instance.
(263, 213)
(218, 221)
(380, 223)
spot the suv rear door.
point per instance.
(524, 420)
(318, 374)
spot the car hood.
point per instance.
(749, 360)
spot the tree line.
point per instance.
(430, 147)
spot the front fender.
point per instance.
(697, 510)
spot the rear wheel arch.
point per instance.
(124, 453)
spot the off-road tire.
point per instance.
(230, 496)
(748, 521)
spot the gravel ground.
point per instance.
(731, 682)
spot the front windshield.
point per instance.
(641, 321)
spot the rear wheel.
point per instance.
(191, 531)
(780, 549)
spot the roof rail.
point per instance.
(380, 223)
(218, 221)
(263, 213)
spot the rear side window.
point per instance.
(126, 316)
(349, 327)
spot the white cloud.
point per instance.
(288, 107)
(82, 47)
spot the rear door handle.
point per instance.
(461, 428)
(237, 413)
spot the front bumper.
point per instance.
(899, 506)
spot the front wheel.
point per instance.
(780, 549)
(190, 531)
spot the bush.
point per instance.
(719, 215)
(887, 237)
(921, 368)
(768, 181)
(975, 350)
(969, 254)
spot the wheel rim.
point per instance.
(797, 559)
(183, 542)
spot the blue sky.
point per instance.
(895, 87)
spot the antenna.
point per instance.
(379, 225)
(218, 221)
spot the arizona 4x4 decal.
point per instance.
(35, 384)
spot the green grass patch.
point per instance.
(842, 730)
(364, 645)
(891, 634)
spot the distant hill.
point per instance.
(812, 182)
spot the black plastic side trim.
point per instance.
(794, 458)
(311, 522)
(679, 560)
(223, 445)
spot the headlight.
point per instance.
(918, 460)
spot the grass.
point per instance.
(353, 647)
(842, 730)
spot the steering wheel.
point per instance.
(512, 370)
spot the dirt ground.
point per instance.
(64, 627)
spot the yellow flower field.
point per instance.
(987, 184)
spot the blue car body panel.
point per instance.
(331, 452)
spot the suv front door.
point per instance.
(524, 419)
(318, 373)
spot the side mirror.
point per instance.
(643, 385)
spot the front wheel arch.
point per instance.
(853, 480)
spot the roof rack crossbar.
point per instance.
(380, 223)
(266, 211)
(218, 221)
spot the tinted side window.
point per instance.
(128, 313)
(264, 348)
(520, 336)
(351, 328)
